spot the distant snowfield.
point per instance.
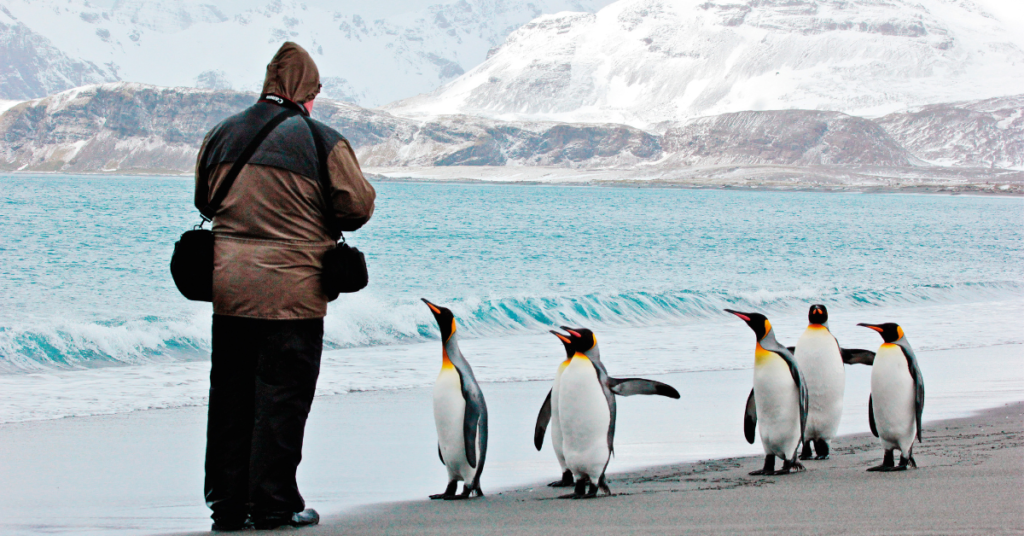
(642, 62)
(370, 53)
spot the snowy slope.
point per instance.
(31, 66)
(642, 62)
(370, 53)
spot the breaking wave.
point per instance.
(365, 319)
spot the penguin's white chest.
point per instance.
(893, 398)
(585, 418)
(556, 426)
(449, 416)
(778, 405)
(818, 356)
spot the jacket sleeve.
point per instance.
(202, 197)
(352, 196)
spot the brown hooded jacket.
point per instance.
(270, 232)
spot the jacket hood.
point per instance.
(292, 74)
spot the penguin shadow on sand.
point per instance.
(580, 408)
(460, 414)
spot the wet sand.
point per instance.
(970, 480)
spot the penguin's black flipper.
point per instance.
(750, 419)
(871, 417)
(801, 387)
(792, 349)
(439, 455)
(856, 356)
(640, 386)
(915, 373)
(543, 418)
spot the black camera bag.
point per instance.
(344, 267)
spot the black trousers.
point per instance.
(261, 388)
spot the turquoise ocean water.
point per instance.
(86, 299)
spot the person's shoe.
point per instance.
(232, 525)
(298, 519)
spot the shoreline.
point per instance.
(969, 480)
(619, 178)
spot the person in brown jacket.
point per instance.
(270, 233)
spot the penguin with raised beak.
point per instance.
(460, 414)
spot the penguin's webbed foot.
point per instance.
(565, 482)
(580, 491)
(790, 467)
(769, 466)
(449, 492)
(913, 463)
(821, 447)
(806, 453)
(887, 463)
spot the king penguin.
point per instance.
(584, 341)
(821, 360)
(460, 414)
(778, 400)
(586, 411)
(897, 397)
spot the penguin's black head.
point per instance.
(757, 322)
(445, 320)
(818, 314)
(889, 331)
(583, 339)
(566, 342)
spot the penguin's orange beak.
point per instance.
(561, 337)
(872, 326)
(433, 307)
(742, 316)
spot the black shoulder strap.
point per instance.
(325, 177)
(211, 208)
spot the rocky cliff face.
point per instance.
(786, 137)
(130, 128)
(987, 133)
(116, 127)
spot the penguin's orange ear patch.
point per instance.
(767, 325)
(453, 325)
(899, 331)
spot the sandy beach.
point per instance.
(140, 473)
(970, 480)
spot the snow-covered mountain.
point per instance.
(642, 62)
(370, 53)
(30, 66)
